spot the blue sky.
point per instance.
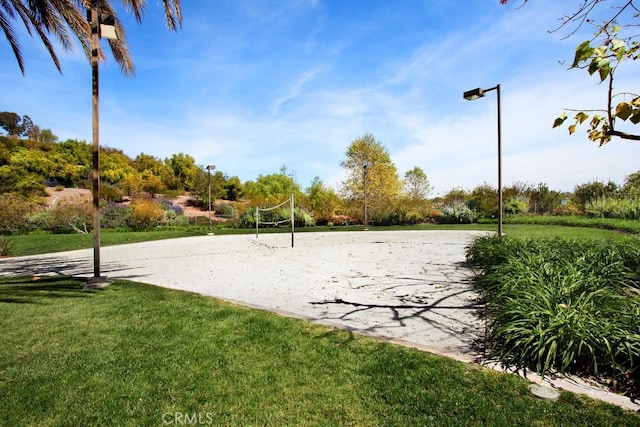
(251, 85)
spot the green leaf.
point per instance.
(572, 129)
(559, 120)
(581, 117)
(604, 69)
(583, 52)
(618, 47)
(635, 118)
(624, 110)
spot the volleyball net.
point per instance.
(276, 216)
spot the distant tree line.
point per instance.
(27, 166)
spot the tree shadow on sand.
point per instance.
(448, 307)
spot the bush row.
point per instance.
(559, 305)
(627, 226)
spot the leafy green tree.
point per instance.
(10, 122)
(323, 201)
(455, 195)
(232, 188)
(484, 200)
(272, 189)
(45, 135)
(199, 193)
(367, 158)
(631, 187)
(152, 185)
(542, 200)
(416, 184)
(185, 170)
(585, 193)
(79, 152)
(115, 166)
(64, 18)
(147, 164)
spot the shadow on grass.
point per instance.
(33, 289)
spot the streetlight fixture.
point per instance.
(105, 23)
(365, 166)
(470, 95)
(209, 169)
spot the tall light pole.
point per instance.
(365, 166)
(97, 21)
(470, 95)
(209, 169)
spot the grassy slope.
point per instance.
(133, 353)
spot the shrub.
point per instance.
(73, 214)
(6, 246)
(340, 220)
(225, 210)
(561, 305)
(516, 205)
(13, 213)
(145, 213)
(302, 218)
(609, 207)
(456, 213)
(115, 215)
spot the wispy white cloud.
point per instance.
(250, 86)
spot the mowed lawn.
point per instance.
(134, 354)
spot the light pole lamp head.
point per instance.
(476, 93)
(107, 24)
(211, 167)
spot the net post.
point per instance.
(257, 220)
(293, 219)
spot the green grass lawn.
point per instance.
(135, 354)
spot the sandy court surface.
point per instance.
(404, 285)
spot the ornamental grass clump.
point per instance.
(563, 306)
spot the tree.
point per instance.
(604, 59)
(185, 170)
(323, 201)
(64, 18)
(232, 188)
(367, 158)
(46, 135)
(10, 122)
(542, 200)
(416, 184)
(591, 191)
(484, 200)
(272, 189)
(614, 43)
(631, 187)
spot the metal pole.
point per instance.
(209, 170)
(365, 167)
(257, 219)
(500, 209)
(95, 170)
(293, 219)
